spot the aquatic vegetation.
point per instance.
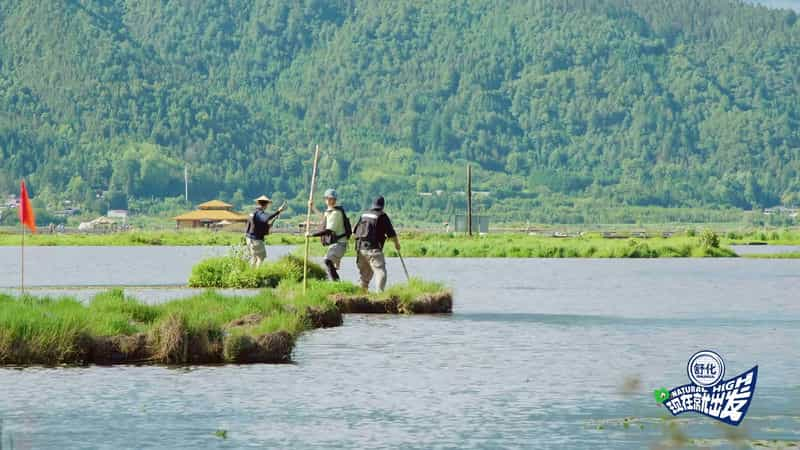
(789, 255)
(775, 237)
(233, 271)
(205, 328)
(527, 246)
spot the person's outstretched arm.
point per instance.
(277, 213)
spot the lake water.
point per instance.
(539, 353)
(109, 266)
(765, 249)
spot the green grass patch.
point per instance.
(144, 238)
(233, 271)
(774, 237)
(410, 291)
(592, 245)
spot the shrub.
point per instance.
(709, 239)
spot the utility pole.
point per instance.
(469, 199)
(186, 182)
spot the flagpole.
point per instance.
(22, 262)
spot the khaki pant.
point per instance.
(372, 262)
(257, 251)
(336, 252)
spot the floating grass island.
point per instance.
(207, 328)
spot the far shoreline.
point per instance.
(542, 244)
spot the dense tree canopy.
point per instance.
(575, 103)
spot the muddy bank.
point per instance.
(433, 303)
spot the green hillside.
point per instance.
(566, 109)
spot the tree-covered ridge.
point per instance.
(576, 102)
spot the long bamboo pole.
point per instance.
(308, 218)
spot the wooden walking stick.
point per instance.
(308, 218)
(408, 278)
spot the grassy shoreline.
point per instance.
(498, 245)
(143, 238)
(790, 255)
(526, 246)
(206, 328)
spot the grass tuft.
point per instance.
(234, 272)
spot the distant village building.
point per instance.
(210, 213)
(121, 214)
(12, 201)
(480, 223)
(781, 210)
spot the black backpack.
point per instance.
(329, 237)
(367, 230)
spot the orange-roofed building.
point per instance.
(208, 213)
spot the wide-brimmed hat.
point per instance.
(263, 199)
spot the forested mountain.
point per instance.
(557, 104)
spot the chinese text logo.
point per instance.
(707, 394)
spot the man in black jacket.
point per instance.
(371, 232)
(258, 225)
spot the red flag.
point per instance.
(26, 214)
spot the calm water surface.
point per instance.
(536, 355)
(108, 266)
(765, 249)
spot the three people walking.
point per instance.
(373, 229)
